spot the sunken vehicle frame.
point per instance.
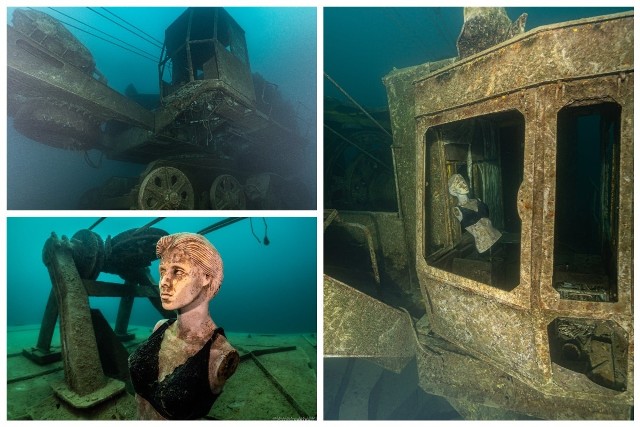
(221, 137)
(542, 325)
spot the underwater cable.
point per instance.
(266, 240)
(125, 28)
(344, 92)
(132, 26)
(142, 51)
(108, 41)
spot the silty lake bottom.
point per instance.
(266, 305)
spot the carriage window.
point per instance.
(586, 222)
(473, 170)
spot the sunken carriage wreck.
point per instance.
(540, 325)
(218, 137)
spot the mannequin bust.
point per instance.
(180, 370)
(473, 215)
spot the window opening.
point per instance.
(586, 220)
(198, 45)
(487, 153)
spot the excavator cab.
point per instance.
(205, 44)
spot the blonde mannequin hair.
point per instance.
(201, 253)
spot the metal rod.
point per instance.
(344, 92)
(395, 174)
(147, 226)
(188, 42)
(220, 224)
(298, 408)
(48, 325)
(95, 224)
(34, 375)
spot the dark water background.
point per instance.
(361, 45)
(282, 47)
(266, 289)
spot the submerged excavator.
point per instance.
(220, 138)
(539, 124)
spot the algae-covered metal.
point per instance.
(541, 126)
(214, 117)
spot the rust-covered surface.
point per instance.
(580, 63)
(208, 124)
(32, 71)
(384, 231)
(578, 49)
(485, 27)
(505, 335)
(51, 34)
(85, 383)
(481, 390)
(357, 325)
(399, 85)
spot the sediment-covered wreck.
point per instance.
(541, 325)
(74, 364)
(217, 140)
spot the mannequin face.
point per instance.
(181, 283)
(458, 186)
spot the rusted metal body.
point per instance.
(530, 345)
(209, 122)
(358, 167)
(85, 383)
(94, 360)
(359, 326)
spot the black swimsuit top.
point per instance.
(471, 217)
(185, 393)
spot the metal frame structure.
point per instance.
(490, 351)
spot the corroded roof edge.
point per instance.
(528, 34)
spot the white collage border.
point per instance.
(318, 213)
